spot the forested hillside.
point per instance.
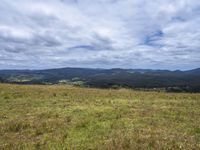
(186, 81)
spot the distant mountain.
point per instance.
(108, 78)
(194, 71)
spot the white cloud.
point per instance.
(101, 33)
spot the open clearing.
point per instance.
(66, 117)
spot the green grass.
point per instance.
(66, 117)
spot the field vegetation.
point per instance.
(75, 118)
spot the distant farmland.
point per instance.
(67, 117)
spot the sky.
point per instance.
(151, 34)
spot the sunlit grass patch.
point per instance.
(66, 117)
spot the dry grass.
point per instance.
(65, 117)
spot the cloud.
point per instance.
(101, 33)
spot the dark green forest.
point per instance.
(171, 81)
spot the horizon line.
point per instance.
(93, 68)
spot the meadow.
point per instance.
(61, 117)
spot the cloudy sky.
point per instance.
(157, 34)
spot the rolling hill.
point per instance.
(187, 81)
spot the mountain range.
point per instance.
(187, 81)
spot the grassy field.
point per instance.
(72, 118)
